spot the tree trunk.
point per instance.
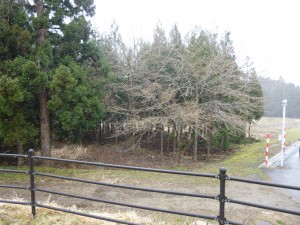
(133, 142)
(108, 130)
(174, 140)
(43, 97)
(190, 134)
(97, 134)
(195, 158)
(162, 140)
(249, 128)
(148, 139)
(45, 124)
(168, 139)
(179, 145)
(114, 131)
(222, 144)
(20, 151)
(40, 12)
(209, 144)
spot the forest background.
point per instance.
(61, 81)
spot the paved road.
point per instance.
(289, 174)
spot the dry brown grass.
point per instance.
(12, 214)
(69, 152)
(21, 215)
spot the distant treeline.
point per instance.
(274, 92)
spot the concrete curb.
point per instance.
(276, 160)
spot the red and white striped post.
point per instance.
(267, 148)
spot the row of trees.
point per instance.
(274, 92)
(192, 83)
(59, 78)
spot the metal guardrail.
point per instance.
(221, 197)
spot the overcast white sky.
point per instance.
(268, 31)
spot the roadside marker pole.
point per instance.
(284, 139)
(267, 148)
(284, 103)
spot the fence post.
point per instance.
(222, 197)
(32, 183)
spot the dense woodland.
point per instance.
(274, 92)
(61, 80)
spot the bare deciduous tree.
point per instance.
(194, 86)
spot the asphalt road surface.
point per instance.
(289, 174)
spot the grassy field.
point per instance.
(243, 162)
(273, 126)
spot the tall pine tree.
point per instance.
(60, 55)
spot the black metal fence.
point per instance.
(221, 197)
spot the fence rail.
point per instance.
(221, 197)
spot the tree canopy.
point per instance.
(195, 83)
(60, 79)
(277, 90)
(50, 56)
